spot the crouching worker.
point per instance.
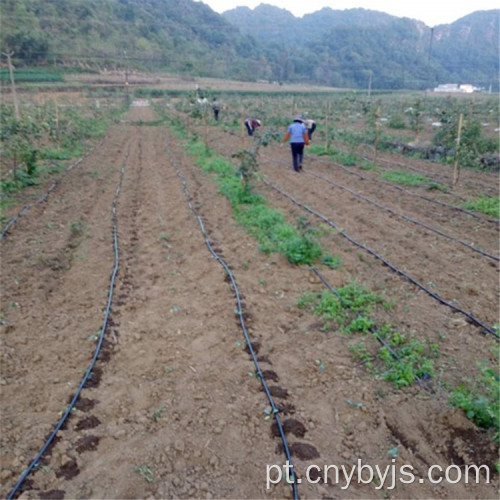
(311, 127)
(251, 124)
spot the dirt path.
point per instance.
(173, 408)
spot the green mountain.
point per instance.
(348, 48)
(351, 47)
(181, 36)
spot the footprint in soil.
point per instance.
(303, 451)
(290, 426)
(278, 392)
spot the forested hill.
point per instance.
(179, 36)
(349, 47)
(331, 47)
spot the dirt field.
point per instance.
(173, 408)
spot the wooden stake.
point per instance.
(205, 128)
(456, 166)
(13, 84)
(57, 123)
(327, 128)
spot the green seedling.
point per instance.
(353, 403)
(320, 365)
(146, 473)
(158, 413)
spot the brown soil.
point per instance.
(173, 408)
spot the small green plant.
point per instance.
(146, 473)
(302, 250)
(480, 398)
(76, 228)
(331, 262)
(249, 165)
(349, 308)
(406, 360)
(360, 353)
(158, 413)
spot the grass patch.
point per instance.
(250, 209)
(346, 159)
(486, 205)
(405, 178)
(30, 75)
(349, 310)
(401, 360)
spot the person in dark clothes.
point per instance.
(251, 124)
(297, 135)
(216, 108)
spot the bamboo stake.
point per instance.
(327, 128)
(56, 109)
(205, 128)
(456, 166)
(13, 84)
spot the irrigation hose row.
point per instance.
(434, 295)
(478, 184)
(260, 375)
(97, 350)
(411, 193)
(406, 217)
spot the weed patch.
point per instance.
(400, 360)
(405, 178)
(480, 398)
(486, 205)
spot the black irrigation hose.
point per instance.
(260, 375)
(97, 350)
(411, 193)
(407, 218)
(434, 295)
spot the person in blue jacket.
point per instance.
(297, 134)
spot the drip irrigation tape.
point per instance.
(434, 295)
(260, 375)
(391, 163)
(97, 350)
(407, 218)
(411, 193)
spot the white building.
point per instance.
(466, 88)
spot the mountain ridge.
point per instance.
(329, 47)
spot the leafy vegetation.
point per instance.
(480, 398)
(405, 178)
(35, 144)
(401, 360)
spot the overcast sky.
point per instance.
(431, 12)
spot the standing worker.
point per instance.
(251, 124)
(297, 133)
(216, 108)
(311, 127)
